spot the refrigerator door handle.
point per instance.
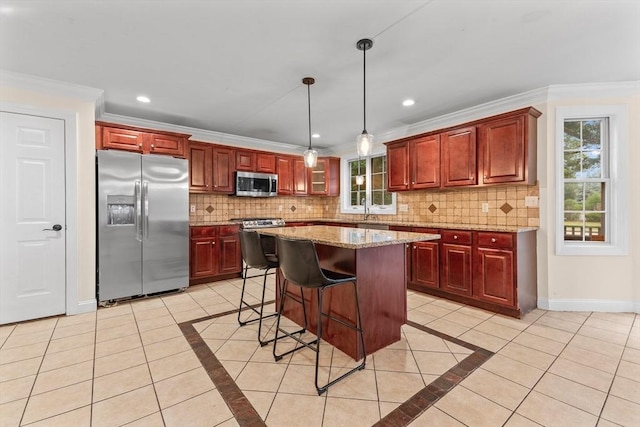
(138, 217)
(145, 204)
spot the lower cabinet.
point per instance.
(491, 270)
(214, 253)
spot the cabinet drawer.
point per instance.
(228, 230)
(425, 230)
(456, 236)
(203, 231)
(495, 240)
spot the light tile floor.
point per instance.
(131, 365)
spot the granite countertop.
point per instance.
(472, 227)
(348, 237)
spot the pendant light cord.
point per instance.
(309, 105)
(364, 90)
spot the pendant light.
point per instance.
(364, 141)
(310, 155)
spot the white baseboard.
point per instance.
(87, 306)
(613, 306)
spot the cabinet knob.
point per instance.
(414, 246)
(153, 146)
(493, 240)
(140, 144)
(213, 243)
(455, 237)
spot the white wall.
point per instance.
(82, 107)
(588, 283)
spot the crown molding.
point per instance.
(53, 87)
(594, 90)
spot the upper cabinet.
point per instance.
(414, 164)
(211, 168)
(324, 178)
(507, 148)
(459, 157)
(255, 161)
(496, 150)
(284, 169)
(146, 141)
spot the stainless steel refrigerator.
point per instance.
(143, 224)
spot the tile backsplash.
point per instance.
(506, 206)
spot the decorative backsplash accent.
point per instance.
(460, 206)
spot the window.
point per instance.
(372, 191)
(591, 170)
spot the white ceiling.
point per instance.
(235, 66)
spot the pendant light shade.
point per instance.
(364, 141)
(310, 155)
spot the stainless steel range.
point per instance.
(252, 223)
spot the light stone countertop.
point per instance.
(348, 237)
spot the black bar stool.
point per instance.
(255, 255)
(300, 266)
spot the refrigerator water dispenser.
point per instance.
(120, 210)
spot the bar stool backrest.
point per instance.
(299, 263)
(252, 252)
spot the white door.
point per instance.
(32, 207)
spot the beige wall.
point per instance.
(84, 111)
(587, 282)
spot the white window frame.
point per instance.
(616, 243)
(345, 196)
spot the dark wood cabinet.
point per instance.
(423, 269)
(211, 168)
(494, 268)
(456, 261)
(266, 162)
(214, 253)
(300, 177)
(507, 149)
(200, 164)
(324, 178)
(284, 169)
(223, 168)
(459, 157)
(414, 164)
(245, 160)
(145, 141)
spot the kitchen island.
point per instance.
(378, 259)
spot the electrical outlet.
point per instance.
(279, 208)
(531, 201)
(485, 207)
(403, 207)
(192, 208)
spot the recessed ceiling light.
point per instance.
(315, 135)
(408, 102)
(143, 98)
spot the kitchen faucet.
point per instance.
(366, 209)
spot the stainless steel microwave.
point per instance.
(255, 184)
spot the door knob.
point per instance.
(56, 227)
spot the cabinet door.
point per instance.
(166, 144)
(123, 139)
(299, 177)
(199, 168)
(459, 157)
(456, 269)
(494, 279)
(245, 161)
(266, 162)
(203, 258)
(398, 166)
(318, 178)
(425, 162)
(223, 166)
(230, 256)
(425, 264)
(285, 175)
(502, 154)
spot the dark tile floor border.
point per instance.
(246, 415)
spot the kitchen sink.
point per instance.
(373, 226)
